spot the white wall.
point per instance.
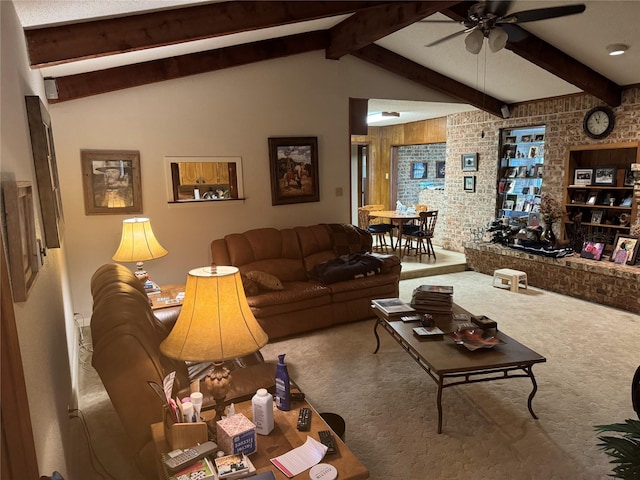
(228, 113)
(45, 320)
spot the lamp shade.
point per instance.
(473, 41)
(215, 322)
(497, 39)
(138, 243)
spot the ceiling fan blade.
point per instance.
(448, 37)
(499, 9)
(543, 13)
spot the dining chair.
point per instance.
(422, 237)
(377, 230)
(414, 226)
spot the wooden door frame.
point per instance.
(18, 447)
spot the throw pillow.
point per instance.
(265, 280)
(251, 287)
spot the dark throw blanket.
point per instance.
(346, 267)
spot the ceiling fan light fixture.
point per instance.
(617, 49)
(497, 39)
(473, 42)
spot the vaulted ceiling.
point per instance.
(133, 48)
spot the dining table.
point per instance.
(398, 219)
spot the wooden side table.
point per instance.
(282, 439)
(167, 296)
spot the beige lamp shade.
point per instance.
(215, 322)
(138, 243)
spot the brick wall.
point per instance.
(479, 132)
(600, 282)
(409, 190)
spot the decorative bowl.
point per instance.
(475, 338)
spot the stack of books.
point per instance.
(433, 299)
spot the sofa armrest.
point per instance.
(390, 263)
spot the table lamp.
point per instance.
(138, 244)
(215, 324)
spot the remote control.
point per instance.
(326, 438)
(190, 455)
(304, 419)
(297, 396)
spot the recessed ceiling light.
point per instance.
(617, 48)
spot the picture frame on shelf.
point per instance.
(509, 151)
(604, 176)
(628, 178)
(583, 176)
(522, 171)
(579, 196)
(627, 201)
(534, 219)
(469, 162)
(294, 170)
(592, 250)
(470, 183)
(625, 250)
(540, 170)
(538, 137)
(596, 216)
(533, 151)
(418, 170)
(592, 198)
(111, 182)
(510, 139)
(526, 138)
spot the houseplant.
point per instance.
(551, 211)
(624, 448)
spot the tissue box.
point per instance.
(236, 434)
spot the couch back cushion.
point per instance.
(269, 250)
(316, 244)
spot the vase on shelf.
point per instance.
(547, 236)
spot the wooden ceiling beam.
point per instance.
(399, 65)
(546, 56)
(93, 83)
(366, 26)
(66, 43)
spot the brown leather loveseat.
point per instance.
(126, 337)
(295, 256)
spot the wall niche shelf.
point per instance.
(520, 172)
(599, 190)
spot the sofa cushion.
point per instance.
(250, 286)
(346, 267)
(295, 296)
(269, 250)
(348, 238)
(265, 280)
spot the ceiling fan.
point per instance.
(490, 20)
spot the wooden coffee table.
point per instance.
(449, 364)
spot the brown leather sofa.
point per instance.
(126, 337)
(290, 255)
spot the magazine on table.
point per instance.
(392, 306)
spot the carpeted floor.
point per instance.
(388, 402)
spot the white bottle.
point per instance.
(262, 406)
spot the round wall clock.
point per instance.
(598, 122)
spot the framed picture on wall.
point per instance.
(469, 162)
(440, 169)
(44, 159)
(22, 245)
(111, 181)
(419, 170)
(470, 183)
(294, 170)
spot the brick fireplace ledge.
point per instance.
(596, 281)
